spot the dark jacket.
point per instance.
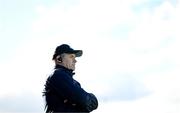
(64, 94)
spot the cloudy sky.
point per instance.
(130, 60)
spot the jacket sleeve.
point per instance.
(71, 91)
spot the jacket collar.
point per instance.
(70, 71)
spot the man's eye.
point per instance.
(72, 56)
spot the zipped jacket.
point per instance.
(64, 94)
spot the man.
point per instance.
(63, 93)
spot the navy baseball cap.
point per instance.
(64, 48)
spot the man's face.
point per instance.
(68, 61)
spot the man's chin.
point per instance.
(72, 68)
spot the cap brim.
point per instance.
(78, 53)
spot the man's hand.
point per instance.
(92, 102)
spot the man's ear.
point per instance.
(58, 58)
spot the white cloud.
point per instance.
(87, 17)
(157, 102)
(154, 27)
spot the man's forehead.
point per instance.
(70, 54)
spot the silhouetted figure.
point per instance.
(63, 93)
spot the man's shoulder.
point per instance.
(60, 73)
